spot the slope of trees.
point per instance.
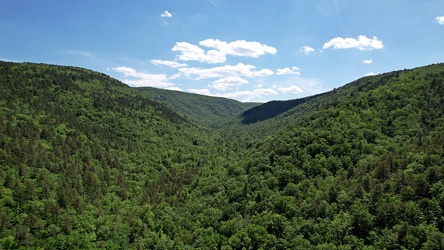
(206, 110)
(84, 159)
(271, 109)
(87, 162)
(359, 168)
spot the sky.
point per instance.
(250, 51)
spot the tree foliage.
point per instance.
(87, 162)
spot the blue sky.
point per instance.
(244, 50)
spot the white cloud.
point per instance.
(166, 14)
(199, 91)
(370, 74)
(228, 82)
(190, 52)
(367, 61)
(286, 71)
(297, 85)
(239, 47)
(238, 70)
(265, 91)
(245, 96)
(362, 43)
(143, 79)
(171, 64)
(440, 20)
(219, 50)
(291, 89)
(264, 72)
(175, 76)
(307, 50)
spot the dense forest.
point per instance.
(87, 162)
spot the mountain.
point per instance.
(88, 162)
(206, 110)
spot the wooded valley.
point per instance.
(87, 162)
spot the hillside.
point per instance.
(79, 151)
(206, 110)
(360, 167)
(89, 163)
(271, 109)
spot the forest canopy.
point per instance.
(87, 162)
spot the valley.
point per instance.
(87, 162)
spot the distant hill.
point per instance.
(203, 109)
(271, 109)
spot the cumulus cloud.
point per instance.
(297, 85)
(361, 43)
(243, 96)
(171, 64)
(370, 74)
(307, 50)
(228, 82)
(291, 89)
(286, 71)
(440, 20)
(264, 72)
(166, 14)
(238, 70)
(239, 81)
(367, 61)
(190, 52)
(220, 49)
(246, 96)
(239, 48)
(143, 79)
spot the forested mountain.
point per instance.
(87, 162)
(84, 158)
(206, 110)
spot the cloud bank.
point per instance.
(240, 69)
(361, 43)
(241, 81)
(218, 50)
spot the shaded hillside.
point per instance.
(271, 109)
(206, 110)
(89, 163)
